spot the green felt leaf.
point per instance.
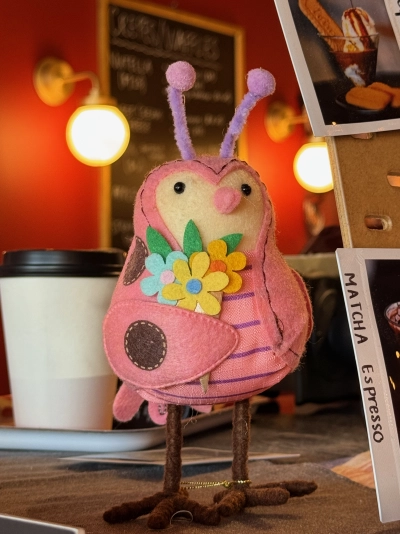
(157, 243)
(232, 241)
(191, 239)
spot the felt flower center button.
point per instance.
(217, 265)
(194, 286)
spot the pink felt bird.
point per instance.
(206, 310)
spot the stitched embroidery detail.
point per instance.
(145, 345)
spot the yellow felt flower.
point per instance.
(195, 285)
(220, 261)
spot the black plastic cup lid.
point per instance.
(50, 262)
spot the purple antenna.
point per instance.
(260, 84)
(181, 77)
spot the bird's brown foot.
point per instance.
(233, 501)
(161, 508)
(296, 488)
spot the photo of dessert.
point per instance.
(376, 96)
(392, 315)
(353, 61)
(354, 45)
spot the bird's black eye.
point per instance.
(179, 187)
(246, 189)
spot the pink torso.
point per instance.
(252, 367)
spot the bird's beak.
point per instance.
(226, 199)
(204, 382)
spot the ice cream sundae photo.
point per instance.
(360, 47)
(353, 46)
(356, 50)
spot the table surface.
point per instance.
(40, 485)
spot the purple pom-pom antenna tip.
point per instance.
(181, 77)
(260, 82)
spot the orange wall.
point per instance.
(49, 199)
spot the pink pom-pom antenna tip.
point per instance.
(260, 83)
(181, 75)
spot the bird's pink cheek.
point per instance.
(167, 277)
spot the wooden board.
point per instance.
(361, 168)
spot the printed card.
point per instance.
(347, 62)
(371, 286)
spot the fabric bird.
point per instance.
(206, 310)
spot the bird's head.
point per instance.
(221, 194)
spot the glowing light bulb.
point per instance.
(312, 168)
(97, 135)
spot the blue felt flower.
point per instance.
(162, 275)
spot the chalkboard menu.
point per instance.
(137, 43)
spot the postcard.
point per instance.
(371, 286)
(346, 56)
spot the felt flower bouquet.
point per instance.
(193, 279)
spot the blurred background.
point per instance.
(48, 199)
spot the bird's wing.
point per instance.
(151, 345)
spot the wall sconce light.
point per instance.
(97, 132)
(312, 168)
(311, 165)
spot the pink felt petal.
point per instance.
(187, 353)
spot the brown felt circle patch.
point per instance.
(145, 345)
(136, 263)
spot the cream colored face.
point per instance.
(196, 202)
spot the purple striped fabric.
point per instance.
(246, 325)
(249, 352)
(238, 296)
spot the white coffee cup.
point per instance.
(53, 305)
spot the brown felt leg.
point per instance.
(172, 477)
(174, 440)
(240, 495)
(240, 441)
(160, 517)
(163, 505)
(234, 501)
